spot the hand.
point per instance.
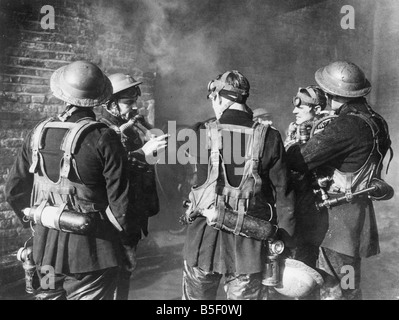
(154, 147)
(130, 258)
(292, 128)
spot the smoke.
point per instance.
(189, 42)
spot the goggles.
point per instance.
(219, 86)
(302, 98)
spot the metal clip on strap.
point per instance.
(57, 216)
(35, 161)
(348, 188)
(36, 144)
(240, 219)
(221, 208)
(69, 145)
(37, 216)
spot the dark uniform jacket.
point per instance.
(144, 196)
(344, 144)
(102, 166)
(223, 252)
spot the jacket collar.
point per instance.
(118, 121)
(237, 117)
(82, 113)
(359, 104)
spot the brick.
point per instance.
(149, 75)
(15, 222)
(5, 224)
(11, 87)
(54, 64)
(38, 99)
(24, 98)
(35, 89)
(11, 143)
(7, 215)
(7, 157)
(35, 81)
(41, 36)
(9, 116)
(53, 100)
(11, 233)
(146, 88)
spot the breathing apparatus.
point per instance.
(252, 227)
(113, 107)
(366, 181)
(25, 255)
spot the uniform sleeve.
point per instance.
(19, 183)
(279, 178)
(336, 140)
(115, 173)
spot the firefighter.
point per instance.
(309, 104)
(352, 147)
(211, 252)
(72, 163)
(309, 107)
(121, 115)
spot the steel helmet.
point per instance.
(81, 83)
(259, 112)
(297, 279)
(343, 78)
(121, 81)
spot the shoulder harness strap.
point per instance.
(375, 131)
(36, 143)
(69, 143)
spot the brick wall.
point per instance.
(84, 30)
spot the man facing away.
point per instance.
(257, 187)
(74, 165)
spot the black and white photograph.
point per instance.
(174, 150)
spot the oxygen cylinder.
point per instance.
(25, 255)
(252, 227)
(63, 220)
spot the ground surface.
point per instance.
(158, 275)
(159, 271)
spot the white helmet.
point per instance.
(297, 279)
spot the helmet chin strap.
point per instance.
(69, 110)
(113, 108)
